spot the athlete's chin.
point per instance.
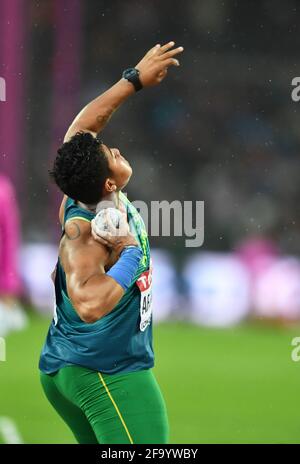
(128, 170)
(128, 176)
(126, 162)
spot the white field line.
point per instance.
(9, 431)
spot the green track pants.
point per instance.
(102, 408)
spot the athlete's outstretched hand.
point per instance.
(154, 66)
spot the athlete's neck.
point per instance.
(109, 201)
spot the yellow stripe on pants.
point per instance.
(116, 407)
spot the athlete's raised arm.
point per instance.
(152, 69)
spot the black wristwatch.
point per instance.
(132, 75)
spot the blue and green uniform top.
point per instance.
(114, 343)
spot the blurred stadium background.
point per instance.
(223, 129)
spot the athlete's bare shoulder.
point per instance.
(62, 209)
(77, 229)
(78, 248)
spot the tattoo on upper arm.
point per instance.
(72, 231)
(103, 119)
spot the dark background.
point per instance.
(221, 128)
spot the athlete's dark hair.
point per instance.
(80, 168)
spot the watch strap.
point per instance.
(132, 75)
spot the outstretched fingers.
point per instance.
(154, 50)
(165, 51)
(171, 53)
(168, 57)
(170, 62)
(166, 47)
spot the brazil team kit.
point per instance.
(99, 376)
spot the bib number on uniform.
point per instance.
(144, 282)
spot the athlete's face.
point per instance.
(119, 166)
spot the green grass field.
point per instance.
(221, 386)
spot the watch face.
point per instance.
(130, 73)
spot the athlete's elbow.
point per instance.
(88, 316)
(90, 313)
(92, 306)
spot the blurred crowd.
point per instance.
(222, 128)
(12, 315)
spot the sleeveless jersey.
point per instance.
(121, 341)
